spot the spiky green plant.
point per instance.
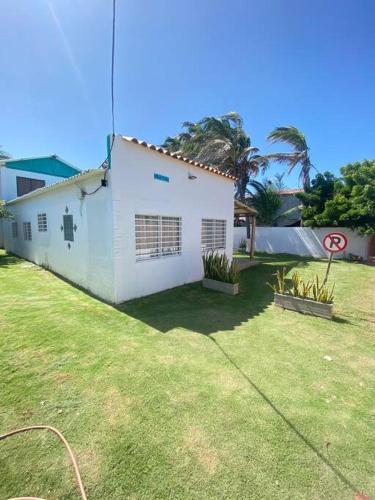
(321, 292)
(279, 286)
(315, 290)
(242, 246)
(296, 283)
(305, 289)
(217, 267)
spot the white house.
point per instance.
(134, 229)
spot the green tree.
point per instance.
(221, 142)
(353, 203)
(4, 155)
(265, 200)
(299, 156)
(315, 197)
(4, 213)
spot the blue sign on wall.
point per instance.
(159, 177)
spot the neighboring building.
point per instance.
(20, 176)
(132, 230)
(291, 207)
(23, 175)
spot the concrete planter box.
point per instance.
(220, 286)
(305, 306)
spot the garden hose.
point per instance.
(68, 448)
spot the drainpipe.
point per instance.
(110, 139)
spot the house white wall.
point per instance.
(102, 257)
(302, 241)
(135, 191)
(8, 181)
(88, 262)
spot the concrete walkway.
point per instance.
(244, 263)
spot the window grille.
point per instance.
(15, 229)
(26, 185)
(27, 231)
(157, 236)
(68, 227)
(213, 234)
(42, 223)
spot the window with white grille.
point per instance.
(157, 236)
(15, 229)
(42, 223)
(27, 231)
(213, 234)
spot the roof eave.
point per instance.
(75, 179)
(176, 156)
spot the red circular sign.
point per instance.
(335, 242)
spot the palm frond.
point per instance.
(289, 135)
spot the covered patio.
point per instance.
(242, 210)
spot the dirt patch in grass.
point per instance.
(117, 407)
(90, 462)
(60, 377)
(228, 383)
(198, 445)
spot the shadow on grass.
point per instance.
(8, 260)
(286, 420)
(205, 311)
(208, 312)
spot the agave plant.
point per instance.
(321, 292)
(315, 290)
(217, 267)
(279, 287)
(296, 283)
(305, 289)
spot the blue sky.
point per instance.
(277, 62)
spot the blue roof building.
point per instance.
(23, 175)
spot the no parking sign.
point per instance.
(334, 242)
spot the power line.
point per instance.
(113, 64)
(105, 162)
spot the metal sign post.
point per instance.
(333, 243)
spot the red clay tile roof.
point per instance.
(179, 157)
(290, 191)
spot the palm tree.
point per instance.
(299, 156)
(3, 155)
(265, 200)
(223, 143)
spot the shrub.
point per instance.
(242, 246)
(217, 267)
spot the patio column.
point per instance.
(252, 240)
(247, 218)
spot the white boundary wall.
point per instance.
(302, 241)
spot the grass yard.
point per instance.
(187, 393)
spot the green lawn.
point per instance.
(187, 393)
